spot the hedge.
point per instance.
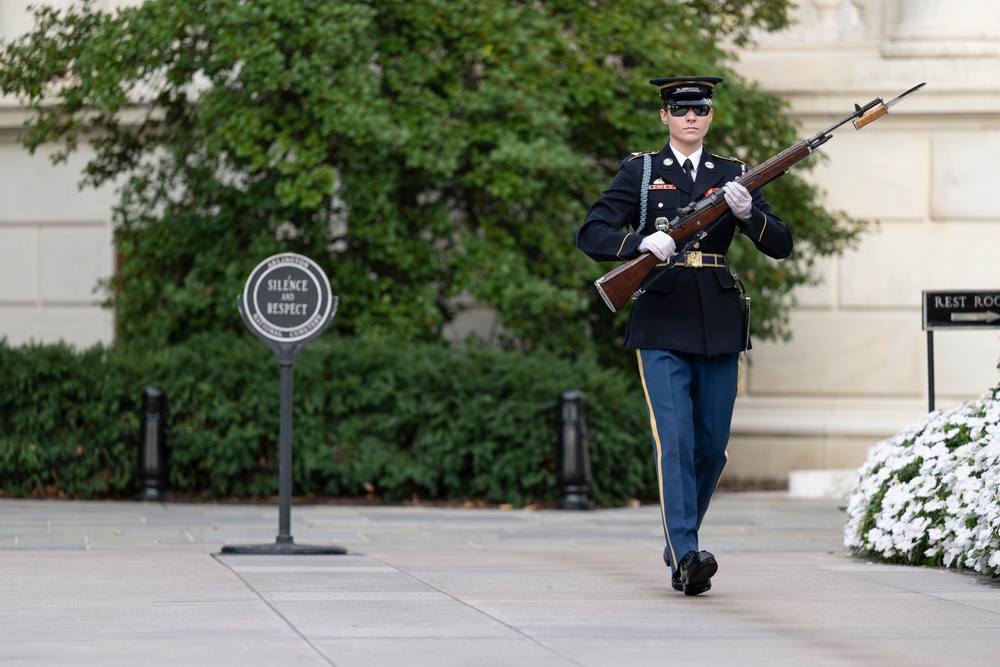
(384, 418)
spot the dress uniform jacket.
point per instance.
(691, 310)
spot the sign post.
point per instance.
(957, 309)
(287, 302)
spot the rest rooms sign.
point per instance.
(960, 309)
(287, 298)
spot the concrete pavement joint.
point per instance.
(517, 631)
(275, 611)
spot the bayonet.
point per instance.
(882, 108)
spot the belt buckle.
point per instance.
(693, 259)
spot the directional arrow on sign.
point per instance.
(988, 316)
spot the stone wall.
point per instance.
(55, 239)
(856, 370)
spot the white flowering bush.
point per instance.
(931, 494)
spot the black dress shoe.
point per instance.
(692, 589)
(675, 581)
(675, 578)
(696, 571)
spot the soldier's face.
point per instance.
(688, 130)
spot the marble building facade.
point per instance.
(856, 370)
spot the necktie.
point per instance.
(688, 167)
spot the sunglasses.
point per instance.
(679, 111)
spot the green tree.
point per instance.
(418, 150)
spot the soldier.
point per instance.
(689, 327)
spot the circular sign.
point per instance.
(287, 298)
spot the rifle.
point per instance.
(694, 221)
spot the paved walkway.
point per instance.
(100, 583)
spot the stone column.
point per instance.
(945, 28)
(827, 11)
(823, 22)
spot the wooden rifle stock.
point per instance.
(618, 285)
(695, 220)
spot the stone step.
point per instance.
(830, 483)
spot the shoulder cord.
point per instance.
(647, 168)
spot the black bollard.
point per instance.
(152, 465)
(573, 457)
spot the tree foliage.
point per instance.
(418, 151)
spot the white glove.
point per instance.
(660, 244)
(739, 200)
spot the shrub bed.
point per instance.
(390, 419)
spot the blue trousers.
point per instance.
(690, 399)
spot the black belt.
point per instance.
(697, 260)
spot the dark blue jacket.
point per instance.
(685, 309)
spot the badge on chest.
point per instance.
(658, 184)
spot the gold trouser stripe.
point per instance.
(739, 373)
(659, 458)
(719, 481)
(721, 472)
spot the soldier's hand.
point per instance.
(739, 200)
(660, 244)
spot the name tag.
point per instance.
(665, 186)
